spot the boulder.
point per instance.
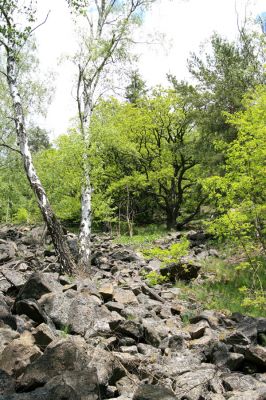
(60, 356)
(7, 250)
(18, 354)
(37, 285)
(6, 336)
(124, 296)
(257, 355)
(43, 336)
(32, 309)
(151, 392)
(184, 271)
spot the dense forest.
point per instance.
(191, 154)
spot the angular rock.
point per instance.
(18, 354)
(257, 355)
(129, 328)
(106, 291)
(194, 384)
(7, 250)
(43, 336)
(259, 394)
(197, 330)
(37, 285)
(61, 356)
(7, 383)
(240, 382)
(183, 271)
(6, 336)
(124, 296)
(151, 392)
(236, 338)
(32, 309)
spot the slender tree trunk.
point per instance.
(86, 192)
(53, 225)
(85, 225)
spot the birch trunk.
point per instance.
(86, 192)
(53, 225)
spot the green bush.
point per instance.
(172, 254)
(21, 216)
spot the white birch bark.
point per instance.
(53, 225)
(109, 30)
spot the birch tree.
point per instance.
(16, 26)
(110, 25)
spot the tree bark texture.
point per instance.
(54, 227)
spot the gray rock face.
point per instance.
(150, 392)
(38, 285)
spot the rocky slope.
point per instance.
(111, 336)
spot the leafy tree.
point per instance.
(240, 194)
(223, 76)
(151, 155)
(136, 88)
(110, 24)
(13, 36)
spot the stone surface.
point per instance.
(18, 354)
(111, 336)
(150, 392)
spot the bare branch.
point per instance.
(10, 147)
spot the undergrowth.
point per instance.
(143, 236)
(223, 288)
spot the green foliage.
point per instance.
(22, 216)
(224, 287)
(143, 236)
(239, 196)
(155, 278)
(152, 167)
(172, 254)
(65, 331)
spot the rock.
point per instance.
(114, 306)
(125, 255)
(37, 285)
(6, 336)
(125, 296)
(127, 385)
(212, 317)
(57, 306)
(106, 291)
(259, 394)
(18, 354)
(43, 336)
(129, 349)
(75, 385)
(183, 271)
(9, 320)
(151, 392)
(240, 382)
(194, 384)
(223, 358)
(236, 338)
(257, 355)
(7, 250)
(154, 331)
(7, 383)
(32, 309)
(197, 330)
(129, 328)
(60, 356)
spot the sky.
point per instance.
(185, 24)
